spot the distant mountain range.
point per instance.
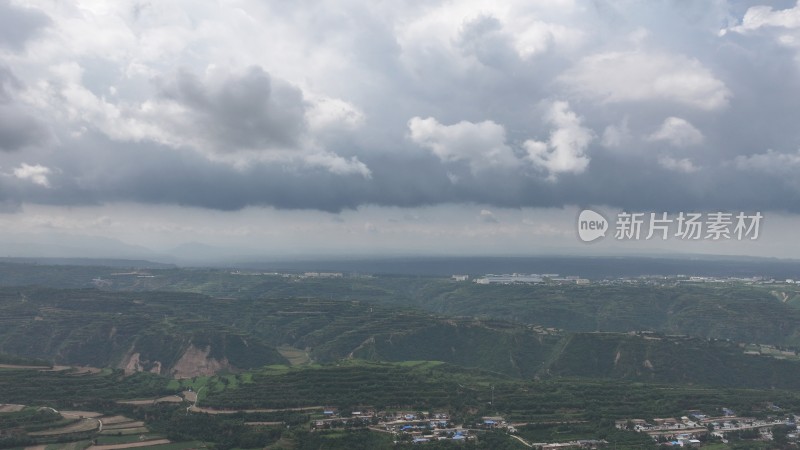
(84, 250)
(585, 267)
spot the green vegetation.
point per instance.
(21, 361)
(736, 311)
(652, 357)
(29, 419)
(95, 328)
(424, 386)
(390, 343)
(225, 432)
(66, 389)
(156, 330)
(344, 440)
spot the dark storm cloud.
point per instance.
(97, 170)
(739, 91)
(483, 37)
(146, 173)
(18, 25)
(8, 83)
(18, 128)
(250, 110)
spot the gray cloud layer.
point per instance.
(641, 106)
(18, 25)
(248, 111)
(18, 128)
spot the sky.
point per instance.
(267, 128)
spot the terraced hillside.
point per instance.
(739, 312)
(423, 386)
(670, 359)
(735, 311)
(183, 335)
(128, 331)
(186, 334)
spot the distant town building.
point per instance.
(515, 278)
(323, 275)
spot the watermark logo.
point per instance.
(591, 225)
(713, 226)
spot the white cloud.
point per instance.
(201, 114)
(684, 165)
(761, 16)
(769, 162)
(482, 145)
(536, 36)
(337, 164)
(782, 25)
(36, 174)
(64, 96)
(327, 113)
(454, 37)
(678, 132)
(68, 223)
(564, 151)
(487, 216)
(616, 136)
(636, 76)
(783, 167)
(452, 177)
(788, 40)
